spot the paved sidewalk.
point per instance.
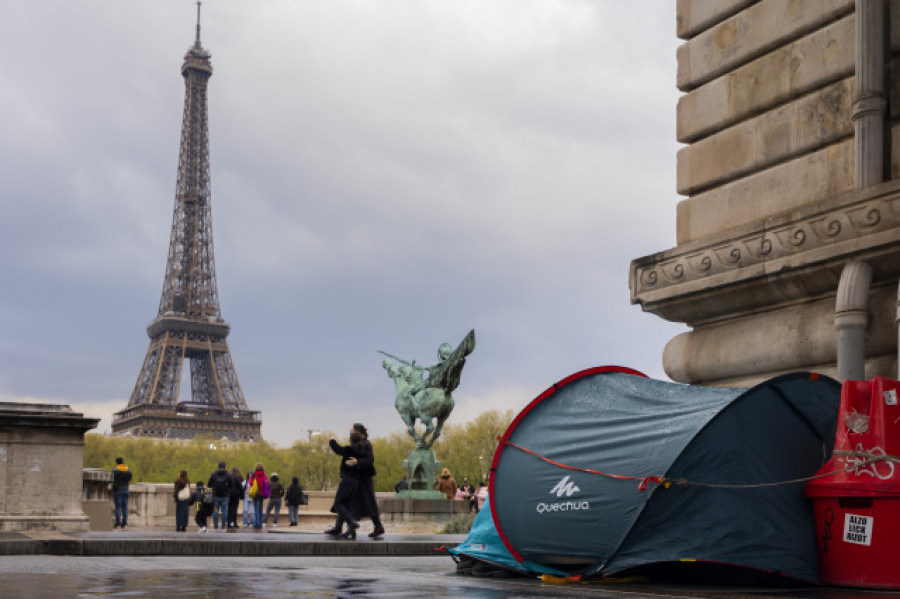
(269, 542)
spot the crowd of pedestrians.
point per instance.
(219, 498)
(474, 497)
(225, 490)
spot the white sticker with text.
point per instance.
(858, 529)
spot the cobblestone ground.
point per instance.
(43, 576)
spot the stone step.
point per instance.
(277, 542)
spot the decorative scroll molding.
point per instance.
(788, 238)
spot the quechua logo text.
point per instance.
(564, 488)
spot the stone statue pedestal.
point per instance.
(42, 451)
(421, 472)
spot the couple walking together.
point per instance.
(355, 496)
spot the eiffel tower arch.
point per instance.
(189, 325)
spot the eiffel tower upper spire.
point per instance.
(197, 41)
(189, 323)
(190, 284)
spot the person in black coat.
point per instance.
(182, 506)
(347, 488)
(294, 498)
(365, 505)
(220, 484)
(237, 494)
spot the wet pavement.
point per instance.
(300, 565)
(277, 577)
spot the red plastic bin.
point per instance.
(857, 503)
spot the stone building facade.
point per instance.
(788, 237)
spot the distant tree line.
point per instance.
(466, 449)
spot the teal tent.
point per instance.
(609, 472)
(484, 544)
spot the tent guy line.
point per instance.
(642, 486)
(868, 459)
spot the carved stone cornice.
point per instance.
(775, 260)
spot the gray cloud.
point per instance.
(386, 175)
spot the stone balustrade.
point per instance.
(152, 505)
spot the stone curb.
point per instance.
(207, 546)
(23, 547)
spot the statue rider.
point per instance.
(443, 352)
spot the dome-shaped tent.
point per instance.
(575, 481)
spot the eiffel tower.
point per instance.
(189, 325)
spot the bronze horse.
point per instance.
(428, 399)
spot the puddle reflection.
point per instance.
(276, 583)
(272, 584)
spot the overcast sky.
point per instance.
(386, 174)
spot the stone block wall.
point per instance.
(776, 105)
(421, 510)
(766, 113)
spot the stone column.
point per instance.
(42, 456)
(851, 305)
(869, 104)
(851, 315)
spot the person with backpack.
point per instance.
(121, 478)
(203, 497)
(294, 497)
(276, 494)
(220, 484)
(259, 492)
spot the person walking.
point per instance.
(365, 504)
(259, 495)
(276, 494)
(346, 491)
(234, 499)
(220, 484)
(294, 497)
(446, 484)
(121, 480)
(182, 495)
